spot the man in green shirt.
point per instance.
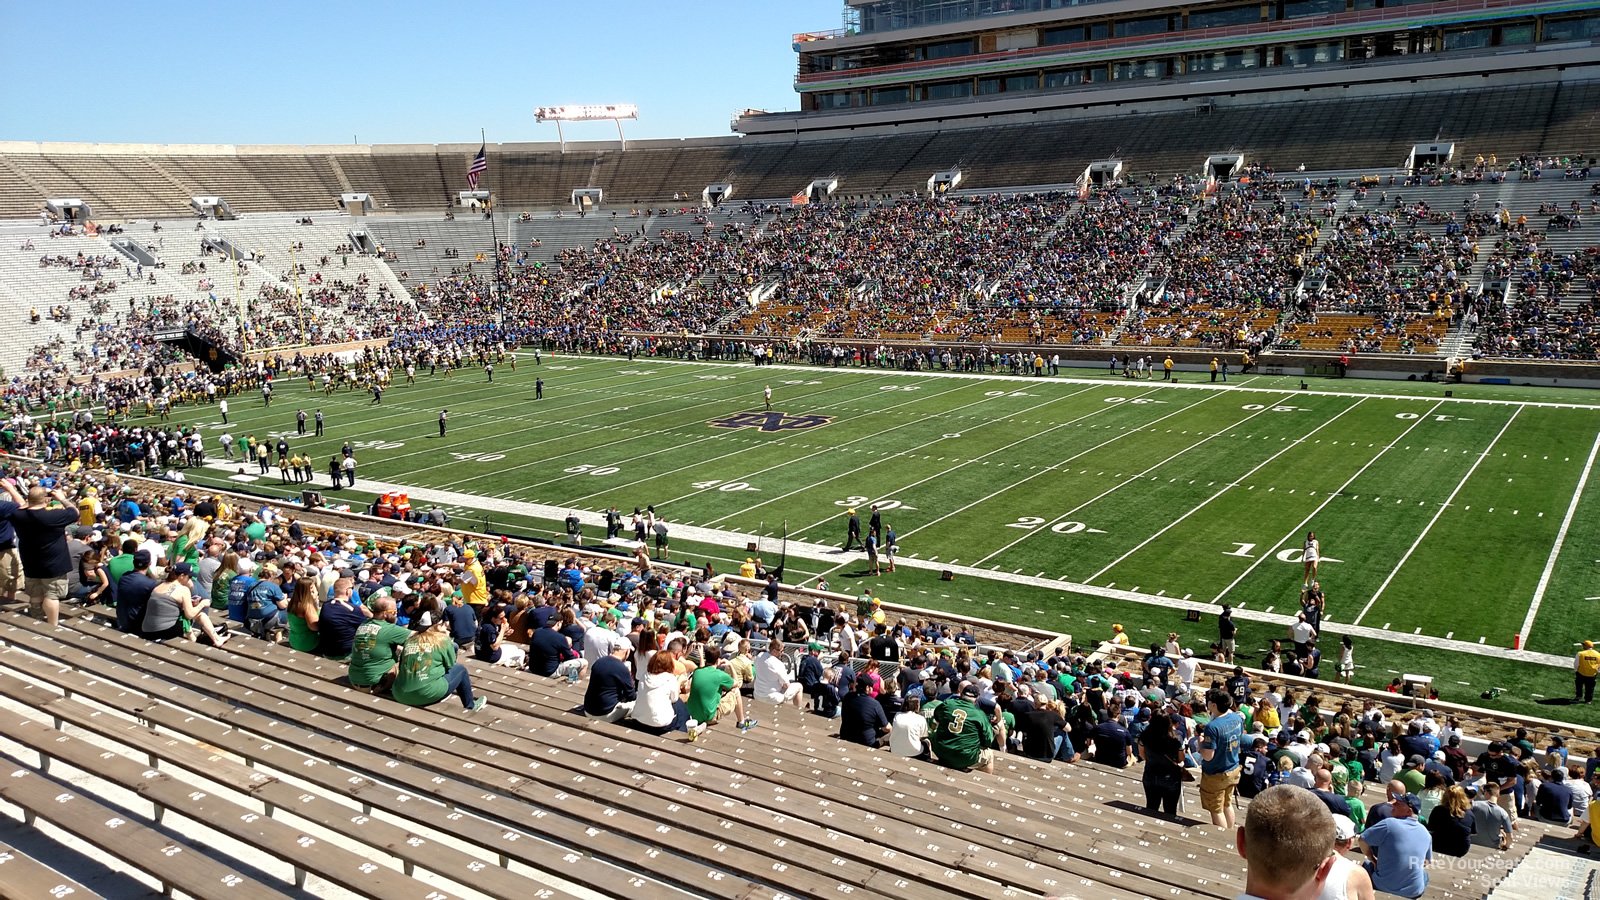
(1412, 773)
(377, 645)
(962, 734)
(120, 565)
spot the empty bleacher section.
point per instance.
(1366, 131)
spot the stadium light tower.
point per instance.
(590, 112)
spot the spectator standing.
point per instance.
(1585, 668)
(1227, 631)
(1498, 766)
(1219, 757)
(1287, 843)
(1398, 850)
(42, 545)
(1111, 742)
(1163, 766)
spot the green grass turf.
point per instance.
(1180, 492)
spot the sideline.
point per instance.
(1174, 385)
(826, 553)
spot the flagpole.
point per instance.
(498, 291)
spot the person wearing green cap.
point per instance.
(824, 698)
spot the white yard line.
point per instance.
(412, 426)
(899, 492)
(784, 441)
(1055, 467)
(590, 451)
(1123, 483)
(882, 459)
(1226, 488)
(1561, 538)
(1330, 498)
(1436, 516)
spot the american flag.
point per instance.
(478, 166)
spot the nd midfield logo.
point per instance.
(770, 421)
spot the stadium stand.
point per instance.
(340, 774)
(1360, 132)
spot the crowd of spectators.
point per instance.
(298, 304)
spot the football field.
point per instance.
(1445, 521)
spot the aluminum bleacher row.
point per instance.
(152, 751)
(1365, 131)
(782, 810)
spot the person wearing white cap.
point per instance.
(1347, 880)
(1186, 668)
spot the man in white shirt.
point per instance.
(773, 683)
(908, 733)
(1185, 669)
(1301, 633)
(599, 640)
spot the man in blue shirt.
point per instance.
(862, 719)
(1219, 757)
(133, 593)
(611, 693)
(1398, 850)
(550, 654)
(1111, 742)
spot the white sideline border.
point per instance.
(832, 554)
(1174, 385)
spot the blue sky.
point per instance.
(299, 72)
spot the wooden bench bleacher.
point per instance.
(830, 791)
(24, 878)
(813, 815)
(411, 849)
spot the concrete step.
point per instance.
(1551, 874)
